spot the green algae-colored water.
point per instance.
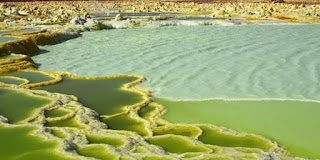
(294, 124)
(19, 143)
(10, 80)
(18, 106)
(203, 62)
(33, 77)
(177, 144)
(9, 56)
(102, 95)
(116, 142)
(97, 151)
(127, 122)
(56, 113)
(58, 133)
(70, 122)
(214, 136)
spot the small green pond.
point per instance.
(17, 105)
(294, 124)
(33, 77)
(102, 95)
(18, 143)
(10, 80)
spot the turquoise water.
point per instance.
(200, 62)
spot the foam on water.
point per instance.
(200, 62)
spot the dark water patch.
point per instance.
(33, 77)
(102, 95)
(10, 80)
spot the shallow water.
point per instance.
(6, 39)
(33, 77)
(101, 95)
(204, 62)
(200, 62)
(96, 151)
(291, 123)
(116, 142)
(18, 106)
(167, 138)
(177, 144)
(10, 80)
(21, 144)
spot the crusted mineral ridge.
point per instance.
(74, 141)
(88, 123)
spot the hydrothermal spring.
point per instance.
(200, 62)
(134, 132)
(207, 62)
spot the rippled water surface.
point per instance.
(203, 62)
(200, 62)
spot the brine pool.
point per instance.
(277, 63)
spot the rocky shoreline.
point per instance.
(60, 21)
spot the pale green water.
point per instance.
(203, 62)
(293, 124)
(6, 39)
(200, 62)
